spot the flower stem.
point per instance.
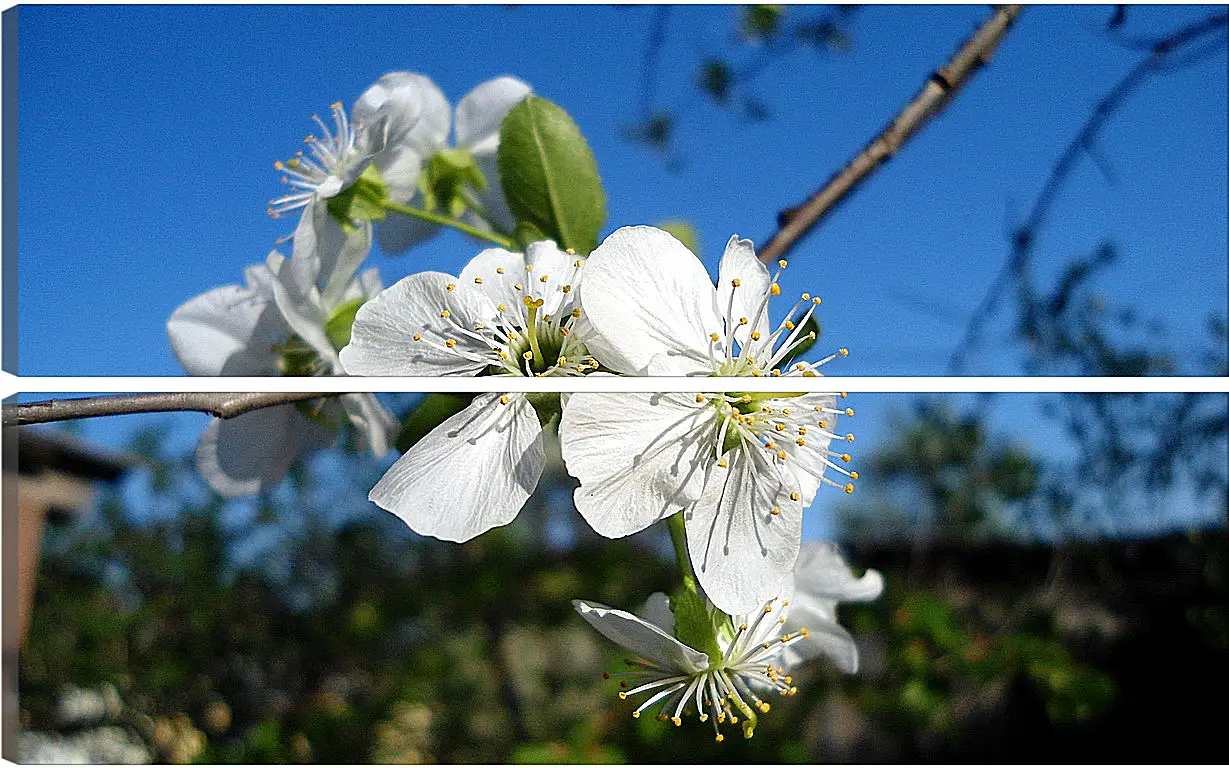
(436, 218)
(678, 536)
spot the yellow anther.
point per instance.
(757, 372)
(782, 455)
(846, 457)
(714, 337)
(774, 289)
(785, 411)
(768, 608)
(742, 321)
(502, 354)
(806, 297)
(720, 738)
(450, 287)
(736, 282)
(823, 424)
(789, 325)
(445, 313)
(562, 360)
(544, 278)
(849, 411)
(849, 488)
(676, 720)
(576, 313)
(843, 352)
(776, 510)
(570, 251)
(765, 706)
(502, 307)
(817, 301)
(528, 355)
(504, 400)
(519, 286)
(844, 394)
(805, 632)
(499, 270)
(723, 464)
(800, 442)
(704, 717)
(579, 262)
(450, 343)
(779, 427)
(635, 714)
(418, 337)
(566, 288)
(479, 326)
(478, 281)
(770, 446)
(849, 437)
(782, 263)
(528, 267)
(812, 337)
(794, 496)
(802, 430)
(622, 694)
(755, 335)
(776, 371)
(699, 398)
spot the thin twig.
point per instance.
(223, 405)
(938, 90)
(1025, 236)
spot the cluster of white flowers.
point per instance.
(730, 472)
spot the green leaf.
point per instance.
(693, 624)
(684, 231)
(341, 321)
(549, 176)
(434, 410)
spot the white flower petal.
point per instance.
(743, 555)
(375, 424)
(739, 263)
(400, 170)
(650, 304)
(482, 111)
(294, 291)
(470, 474)
(496, 284)
(657, 611)
(639, 457)
(333, 254)
(415, 112)
(229, 331)
(382, 338)
(251, 453)
(642, 638)
(822, 573)
(826, 637)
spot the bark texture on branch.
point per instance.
(223, 405)
(935, 94)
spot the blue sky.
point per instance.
(146, 136)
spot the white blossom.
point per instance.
(287, 320)
(396, 127)
(742, 466)
(758, 649)
(507, 314)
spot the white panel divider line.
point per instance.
(10, 384)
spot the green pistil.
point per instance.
(531, 330)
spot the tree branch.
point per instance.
(1025, 237)
(938, 90)
(223, 405)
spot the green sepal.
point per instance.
(446, 179)
(435, 409)
(362, 201)
(341, 321)
(694, 625)
(527, 233)
(549, 176)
